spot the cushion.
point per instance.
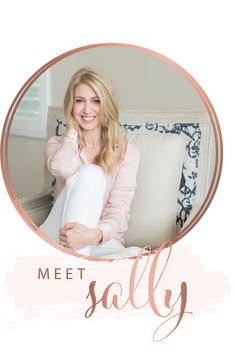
(188, 185)
(153, 211)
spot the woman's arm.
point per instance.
(62, 154)
(115, 215)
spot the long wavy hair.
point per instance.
(113, 141)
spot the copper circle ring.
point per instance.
(208, 106)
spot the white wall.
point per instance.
(140, 80)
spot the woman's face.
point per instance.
(86, 107)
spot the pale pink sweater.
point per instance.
(64, 159)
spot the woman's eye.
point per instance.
(97, 101)
(79, 100)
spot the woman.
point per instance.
(95, 167)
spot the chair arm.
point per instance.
(37, 207)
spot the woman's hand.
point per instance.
(77, 236)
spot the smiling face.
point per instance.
(86, 108)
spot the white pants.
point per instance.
(81, 200)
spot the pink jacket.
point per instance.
(64, 159)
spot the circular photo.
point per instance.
(110, 151)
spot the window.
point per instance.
(31, 115)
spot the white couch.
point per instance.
(165, 201)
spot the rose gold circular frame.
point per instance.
(196, 86)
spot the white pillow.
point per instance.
(153, 211)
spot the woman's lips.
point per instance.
(88, 118)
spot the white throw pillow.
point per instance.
(153, 211)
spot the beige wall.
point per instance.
(140, 80)
(26, 164)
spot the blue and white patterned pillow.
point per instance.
(187, 189)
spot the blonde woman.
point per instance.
(95, 167)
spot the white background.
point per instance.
(198, 35)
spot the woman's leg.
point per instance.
(81, 201)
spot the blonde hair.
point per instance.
(113, 142)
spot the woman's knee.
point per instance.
(88, 173)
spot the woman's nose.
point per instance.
(86, 107)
